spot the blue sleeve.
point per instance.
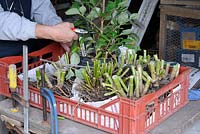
(15, 27)
(44, 13)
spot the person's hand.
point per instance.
(60, 33)
(66, 46)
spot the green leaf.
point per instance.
(126, 32)
(69, 75)
(95, 13)
(78, 73)
(113, 48)
(110, 6)
(75, 59)
(100, 43)
(90, 50)
(76, 5)
(72, 11)
(93, 2)
(104, 37)
(75, 47)
(113, 21)
(78, 1)
(133, 16)
(108, 17)
(88, 45)
(123, 4)
(130, 46)
(123, 18)
(82, 9)
(134, 37)
(89, 39)
(126, 41)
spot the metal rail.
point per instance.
(25, 87)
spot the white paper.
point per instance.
(188, 58)
(194, 77)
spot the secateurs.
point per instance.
(81, 31)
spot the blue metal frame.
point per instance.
(47, 93)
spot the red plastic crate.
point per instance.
(50, 52)
(119, 116)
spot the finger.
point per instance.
(71, 25)
(69, 44)
(64, 46)
(67, 49)
(75, 37)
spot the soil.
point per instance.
(64, 91)
(92, 95)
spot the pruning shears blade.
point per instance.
(80, 31)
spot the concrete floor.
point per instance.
(185, 121)
(193, 129)
(181, 121)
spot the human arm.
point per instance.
(14, 27)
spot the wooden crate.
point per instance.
(181, 2)
(170, 28)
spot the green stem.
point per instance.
(123, 84)
(155, 57)
(103, 11)
(162, 64)
(122, 59)
(124, 73)
(93, 24)
(107, 85)
(119, 71)
(133, 70)
(87, 79)
(38, 77)
(130, 87)
(140, 70)
(157, 67)
(130, 58)
(66, 56)
(135, 59)
(110, 68)
(62, 78)
(146, 87)
(48, 81)
(152, 70)
(137, 85)
(147, 75)
(145, 54)
(167, 69)
(118, 85)
(109, 78)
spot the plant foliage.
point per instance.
(108, 22)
